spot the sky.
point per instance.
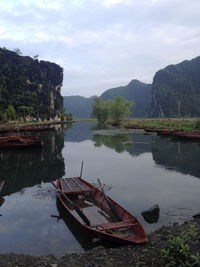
(102, 44)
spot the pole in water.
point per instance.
(81, 169)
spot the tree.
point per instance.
(10, 113)
(115, 109)
(25, 111)
(120, 108)
(18, 51)
(100, 110)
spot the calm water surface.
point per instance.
(139, 171)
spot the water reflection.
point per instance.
(80, 132)
(119, 142)
(151, 215)
(180, 156)
(140, 169)
(26, 168)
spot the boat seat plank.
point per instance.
(115, 225)
(73, 185)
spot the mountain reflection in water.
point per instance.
(26, 168)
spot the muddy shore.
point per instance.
(137, 255)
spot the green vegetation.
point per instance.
(10, 113)
(178, 250)
(118, 142)
(197, 127)
(29, 86)
(101, 110)
(119, 109)
(115, 109)
(136, 91)
(189, 124)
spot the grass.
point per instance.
(184, 124)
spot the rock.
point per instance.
(196, 216)
(96, 240)
(151, 215)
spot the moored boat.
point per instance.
(150, 130)
(165, 132)
(35, 128)
(19, 141)
(190, 136)
(133, 127)
(26, 129)
(98, 214)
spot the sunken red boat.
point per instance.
(18, 141)
(97, 213)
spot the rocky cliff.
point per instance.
(176, 90)
(32, 87)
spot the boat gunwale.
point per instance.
(94, 228)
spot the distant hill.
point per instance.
(78, 106)
(136, 91)
(174, 83)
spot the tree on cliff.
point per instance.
(116, 109)
(18, 51)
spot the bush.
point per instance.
(197, 127)
(178, 252)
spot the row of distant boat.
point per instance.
(192, 135)
(14, 139)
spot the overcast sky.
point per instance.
(102, 43)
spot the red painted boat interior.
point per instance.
(93, 204)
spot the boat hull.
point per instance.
(19, 142)
(111, 232)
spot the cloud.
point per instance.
(102, 42)
(110, 3)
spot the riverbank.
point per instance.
(148, 254)
(10, 128)
(182, 124)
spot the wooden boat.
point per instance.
(26, 129)
(98, 214)
(36, 128)
(165, 132)
(190, 136)
(133, 127)
(150, 130)
(19, 141)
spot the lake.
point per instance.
(138, 171)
